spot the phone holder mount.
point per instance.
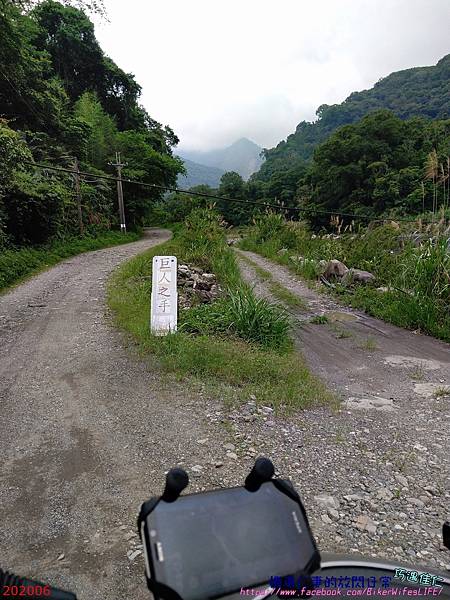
(177, 480)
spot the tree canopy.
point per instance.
(61, 97)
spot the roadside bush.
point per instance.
(268, 227)
(35, 209)
(15, 265)
(202, 237)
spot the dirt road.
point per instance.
(87, 431)
(362, 358)
(383, 458)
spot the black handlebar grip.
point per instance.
(262, 471)
(176, 480)
(446, 534)
(8, 579)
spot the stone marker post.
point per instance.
(164, 302)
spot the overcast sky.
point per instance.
(218, 70)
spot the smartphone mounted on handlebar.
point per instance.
(214, 543)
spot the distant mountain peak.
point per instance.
(242, 156)
(243, 141)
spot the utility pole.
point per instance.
(76, 173)
(119, 166)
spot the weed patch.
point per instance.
(441, 391)
(319, 320)
(369, 343)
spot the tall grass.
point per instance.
(255, 319)
(243, 315)
(418, 277)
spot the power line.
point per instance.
(307, 211)
(36, 113)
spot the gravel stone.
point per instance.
(401, 479)
(327, 501)
(416, 502)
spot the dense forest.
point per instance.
(61, 99)
(379, 166)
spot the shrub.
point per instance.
(255, 319)
(17, 264)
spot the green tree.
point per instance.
(149, 166)
(233, 186)
(67, 35)
(101, 140)
(31, 96)
(376, 166)
(66, 99)
(13, 152)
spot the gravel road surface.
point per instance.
(375, 475)
(88, 431)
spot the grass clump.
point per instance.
(255, 319)
(319, 320)
(369, 343)
(340, 332)
(441, 391)
(243, 315)
(16, 265)
(418, 373)
(238, 345)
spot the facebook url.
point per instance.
(392, 591)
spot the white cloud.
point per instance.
(216, 70)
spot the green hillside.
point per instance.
(421, 91)
(197, 174)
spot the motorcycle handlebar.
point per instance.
(26, 588)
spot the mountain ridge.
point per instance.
(197, 174)
(416, 91)
(242, 156)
